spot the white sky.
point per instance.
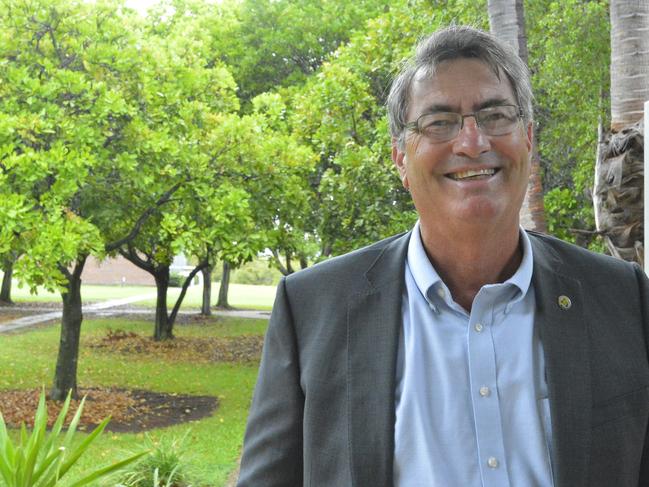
(140, 5)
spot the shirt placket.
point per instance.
(484, 395)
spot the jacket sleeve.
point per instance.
(272, 450)
(644, 296)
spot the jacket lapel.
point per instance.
(373, 328)
(564, 335)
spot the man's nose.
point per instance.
(471, 141)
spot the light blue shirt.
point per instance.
(471, 399)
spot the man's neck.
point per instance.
(468, 262)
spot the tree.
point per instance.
(618, 194)
(507, 21)
(68, 104)
(570, 55)
(283, 42)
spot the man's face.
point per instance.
(438, 175)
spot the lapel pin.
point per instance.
(564, 302)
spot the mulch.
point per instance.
(239, 349)
(131, 411)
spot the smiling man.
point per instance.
(466, 352)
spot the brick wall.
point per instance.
(115, 271)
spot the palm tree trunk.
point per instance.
(507, 22)
(619, 181)
(629, 61)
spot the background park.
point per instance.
(250, 138)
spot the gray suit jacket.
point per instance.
(323, 412)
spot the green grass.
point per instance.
(90, 293)
(239, 295)
(215, 441)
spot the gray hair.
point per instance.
(456, 42)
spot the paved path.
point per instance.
(109, 308)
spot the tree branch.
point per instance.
(166, 196)
(278, 262)
(131, 255)
(174, 312)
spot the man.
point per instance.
(466, 352)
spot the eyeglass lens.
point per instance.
(441, 126)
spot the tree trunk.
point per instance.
(619, 181)
(278, 262)
(5, 292)
(163, 327)
(618, 193)
(207, 291)
(223, 288)
(65, 377)
(507, 22)
(629, 61)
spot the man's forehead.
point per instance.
(427, 73)
(472, 80)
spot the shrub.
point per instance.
(176, 279)
(257, 272)
(162, 467)
(43, 459)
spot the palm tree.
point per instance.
(619, 180)
(507, 22)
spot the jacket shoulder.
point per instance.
(567, 258)
(341, 269)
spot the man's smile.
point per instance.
(473, 174)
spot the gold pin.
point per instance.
(564, 302)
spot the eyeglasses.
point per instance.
(444, 126)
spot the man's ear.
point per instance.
(399, 159)
(530, 138)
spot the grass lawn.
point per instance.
(213, 444)
(240, 295)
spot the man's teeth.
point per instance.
(474, 173)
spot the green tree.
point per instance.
(569, 58)
(283, 42)
(76, 118)
(58, 111)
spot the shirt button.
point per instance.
(484, 391)
(492, 462)
(478, 327)
(441, 293)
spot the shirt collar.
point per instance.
(425, 275)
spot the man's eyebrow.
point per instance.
(493, 102)
(438, 107)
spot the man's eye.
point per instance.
(494, 116)
(438, 123)
(435, 123)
